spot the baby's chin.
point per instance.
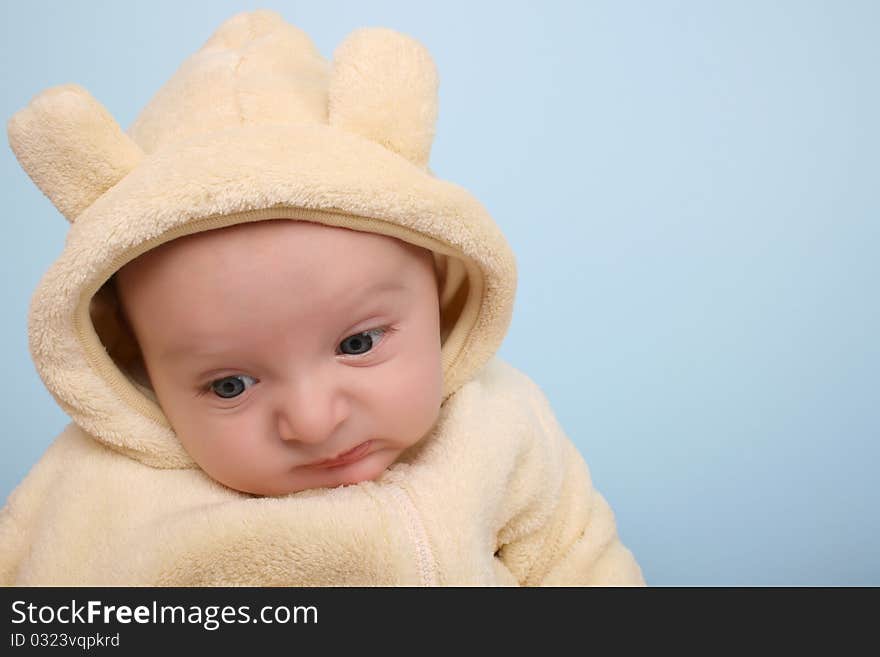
(302, 478)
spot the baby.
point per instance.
(289, 355)
(275, 332)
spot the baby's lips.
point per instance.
(353, 454)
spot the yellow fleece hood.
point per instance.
(255, 125)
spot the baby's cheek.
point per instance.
(416, 397)
(224, 446)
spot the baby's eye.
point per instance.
(232, 386)
(359, 343)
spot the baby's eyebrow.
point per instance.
(178, 351)
(356, 301)
(377, 288)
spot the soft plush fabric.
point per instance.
(257, 126)
(497, 496)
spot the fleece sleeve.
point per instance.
(565, 534)
(10, 540)
(15, 522)
(21, 514)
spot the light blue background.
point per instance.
(691, 189)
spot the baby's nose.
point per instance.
(309, 413)
(294, 430)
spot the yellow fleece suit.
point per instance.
(255, 126)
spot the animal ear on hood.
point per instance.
(71, 147)
(383, 86)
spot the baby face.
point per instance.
(289, 355)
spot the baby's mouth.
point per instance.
(346, 457)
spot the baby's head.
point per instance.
(273, 346)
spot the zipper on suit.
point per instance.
(412, 520)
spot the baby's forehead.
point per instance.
(271, 242)
(208, 288)
(267, 259)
